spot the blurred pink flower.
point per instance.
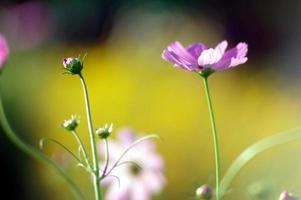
(4, 51)
(27, 24)
(287, 196)
(135, 183)
(198, 57)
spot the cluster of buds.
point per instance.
(71, 124)
(105, 132)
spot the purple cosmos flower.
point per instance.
(137, 182)
(198, 57)
(4, 51)
(287, 196)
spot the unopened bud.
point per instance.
(105, 132)
(73, 66)
(71, 124)
(204, 192)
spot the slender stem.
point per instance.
(128, 149)
(81, 146)
(215, 138)
(107, 158)
(31, 151)
(96, 181)
(61, 145)
(129, 162)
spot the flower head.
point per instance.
(105, 132)
(73, 66)
(4, 51)
(71, 124)
(198, 57)
(287, 196)
(139, 171)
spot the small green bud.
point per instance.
(105, 132)
(71, 124)
(204, 192)
(73, 66)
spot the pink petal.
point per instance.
(179, 50)
(222, 46)
(196, 49)
(175, 59)
(233, 57)
(155, 181)
(4, 51)
(242, 49)
(182, 57)
(139, 191)
(210, 56)
(238, 61)
(126, 136)
(116, 193)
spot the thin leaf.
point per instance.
(254, 150)
(35, 153)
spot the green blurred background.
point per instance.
(131, 86)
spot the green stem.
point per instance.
(117, 162)
(106, 157)
(31, 151)
(215, 138)
(82, 147)
(42, 141)
(96, 181)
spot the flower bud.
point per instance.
(204, 192)
(287, 196)
(71, 124)
(73, 66)
(4, 51)
(105, 132)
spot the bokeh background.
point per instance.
(131, 86)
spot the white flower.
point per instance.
(137, 182)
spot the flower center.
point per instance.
(135, 169)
